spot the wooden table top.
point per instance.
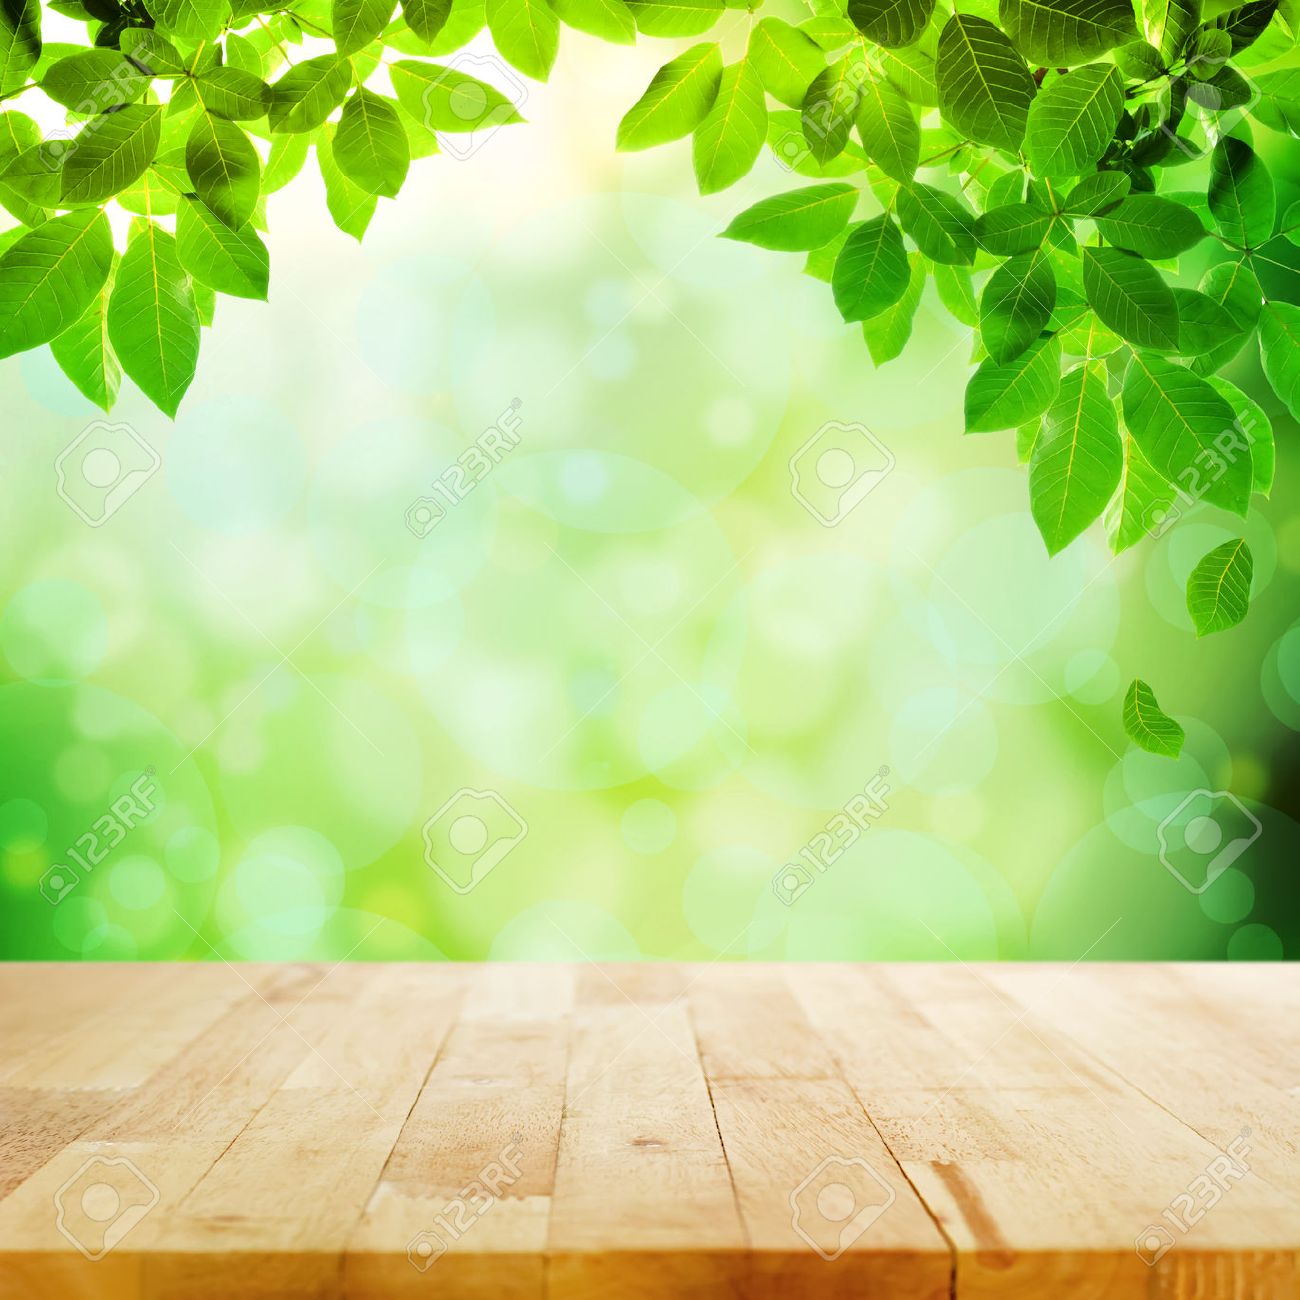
(611, 1132)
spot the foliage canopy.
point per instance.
(1079, 178)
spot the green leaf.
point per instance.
(224, 167)
(349, 205)
(285, 161)
(1097, 194)
(1246, 24)
(20, 41)
(1242, 197)
(913, 71)
(152, 320)
(230, 261)
(797, 220)
(1235, 288)
(675, 17)
(1016, 305)
(892, 23)
(1188, 432)
(1072, 122)
(830, 107)
(191, 20)
(1168, 25)
(887, 334)
(85, 355)
(1076, 463)
(526, 33)
(1203, 323)
(1143, 502)
(1253, 421)
(1013, 228)
(1151, 226)
(957, 293)
(309, 92)
(445, 99)
(426, 18)
(1218, 589)
(611, 20)
(50, 276)
(942, 227)
(355, 23)
(675, 102)
(1139, 61)
(871, 273)
(1147, 725)
(785, 59)
(730, 136)
(889, 130)
(1060, 33)
(93, 81)
(1002, 397)
(1279, 346)
(985, 89)
(1279, 100)
(109, 153)
(370, 145)
(233, 94)
(1130, 296)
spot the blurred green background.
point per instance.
(620, 694)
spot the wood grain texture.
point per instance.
(626, 1132)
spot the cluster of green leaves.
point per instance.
(1080, 180)
(184, 115)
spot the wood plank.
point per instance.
(750, 1026)
(643, 1203)
(161, 1139)
(1043, 1167)
(272, 1215)
(825, 1204)
(796, 1138)
(1157, 1041)
(489, 1115)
